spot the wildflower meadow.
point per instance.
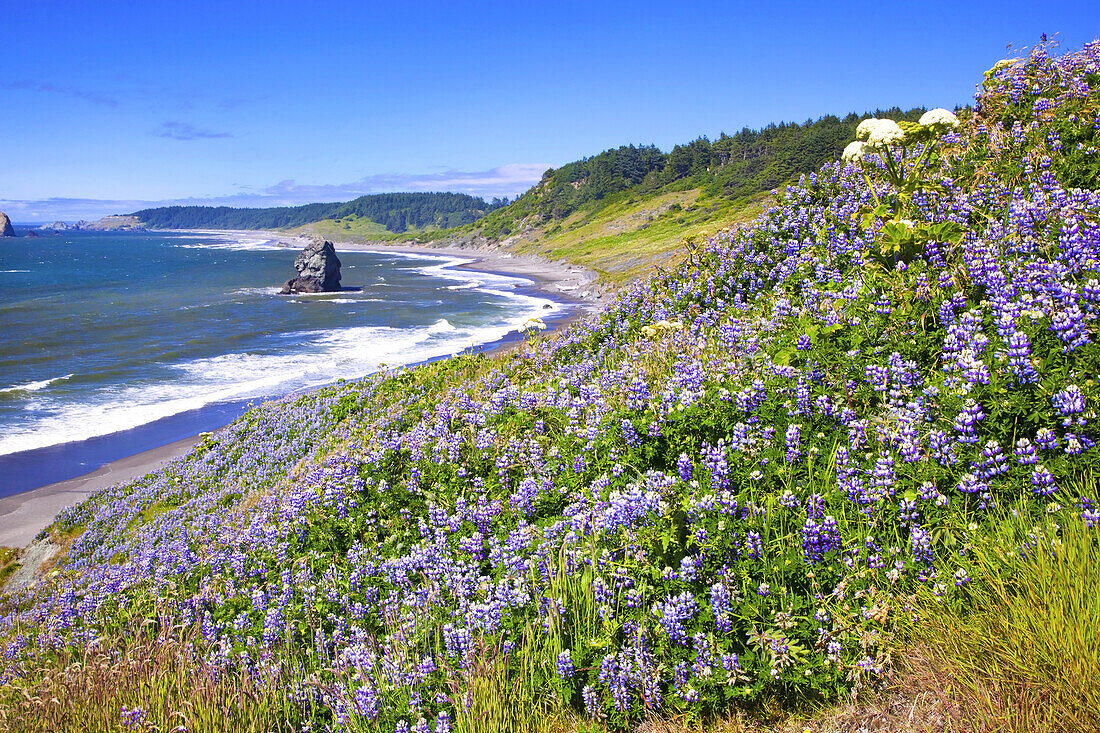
(753, 477)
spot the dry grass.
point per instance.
(163, 674)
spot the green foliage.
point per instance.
(397, 212)
(733, 167)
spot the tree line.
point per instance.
(732, 166)
(398, 212)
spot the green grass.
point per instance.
(359, 230)
(626, 239)
(160, 671)
(1024, 653)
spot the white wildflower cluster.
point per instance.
(879, 133)
(534, 324)
(661, 327)
(853, 153)
(939, 117)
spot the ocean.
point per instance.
(116, 343)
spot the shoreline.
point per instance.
(555, 278)
(23, 515)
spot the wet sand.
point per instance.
(22, 516)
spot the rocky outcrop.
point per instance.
(318, 270)
(5, 226)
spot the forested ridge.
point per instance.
(398, 212)
(730, 167)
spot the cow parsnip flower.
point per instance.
(853, 153)
(939, 117)
(882, 133)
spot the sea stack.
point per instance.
(5, 226)
(318, 270)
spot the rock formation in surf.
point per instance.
(318, 270)
(5, 226)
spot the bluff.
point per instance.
(5, 226)
(318, 270)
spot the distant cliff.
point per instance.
(5, 226)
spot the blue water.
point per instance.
(113, 343)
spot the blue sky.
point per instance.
(106, 107)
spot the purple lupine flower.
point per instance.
(969, 484)
(943, 448)
(673, 613)
(591, 701)
(882, 477)
(1070, 402)
(1019, 358)
(921, 542)
(992, 461)
(1046, 439)
(720, 604)
(132, 717)
(819, 539)
(1025, 452)
(565, 666)
(794, 439)
(967, 420)
(1042, 481)
(630, 435)
(754, 545)
(684, 467)
(1070, 326)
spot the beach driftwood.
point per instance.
(318, 270)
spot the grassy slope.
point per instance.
(354, 229)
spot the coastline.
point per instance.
(554, 278)
(23, 515)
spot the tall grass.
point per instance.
(1024, 653)
(162, 675)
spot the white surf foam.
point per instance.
(313, 359)
(36, 386)
(230, 242)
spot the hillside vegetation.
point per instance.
(396, 213)
(830, 438)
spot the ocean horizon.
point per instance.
(117, 343)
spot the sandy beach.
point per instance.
(24, 515)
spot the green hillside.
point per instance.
(628, 210)
(396, 213)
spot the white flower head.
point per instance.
(864, 130)
(939, 117)
(853, 153)
(534, 324)
(879, 133)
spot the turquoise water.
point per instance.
(103, 333)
